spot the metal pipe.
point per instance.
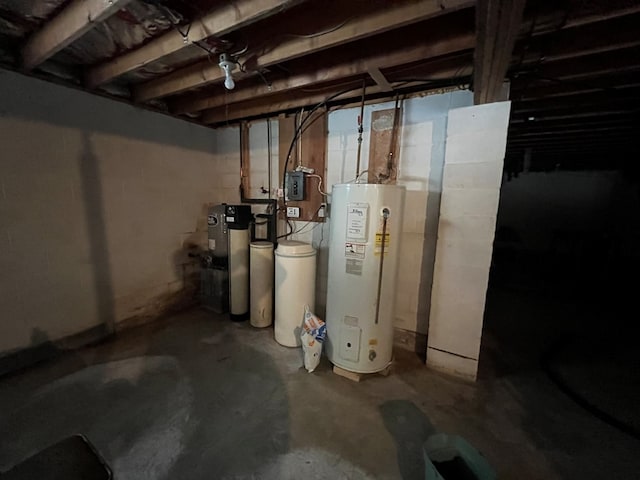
(385, 216)
(243, 199)
(360, 127)
(394, 139)
(269, 164)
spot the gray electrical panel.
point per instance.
(295, 185)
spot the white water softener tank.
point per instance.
(295, 288)
(238, 272)
(261, 283)
(366, 223)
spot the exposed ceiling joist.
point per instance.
(291, 102)
(618, 129)
(245, 111)
(572, 115)
(433, 45)
(568, 136)
(588, 102)
(577, 148)
(228, 17)
(567, 126)
(603, 11)
(599, 65)
(615, 85)
(393, 17)
(75, 20)
(497, 26)
(593, 38)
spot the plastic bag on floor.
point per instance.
(314, 331)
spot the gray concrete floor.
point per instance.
(199, 397)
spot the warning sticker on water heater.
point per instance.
(357, 221)
(355, 250)
(354, 267)
(387, 242)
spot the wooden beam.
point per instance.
(615, 63)
(379, 78)
(497, 26)
(577, 148)
(600, 11)
(594, 38)
(395, 16)
(75, 20)
(602, 100)
(568, 135)
(548, 18)
(572, 116)
(286, 103)
(220, 115)
(563, 126)
(585, 130)
(431, 47)
(524, 89)
(229, 16)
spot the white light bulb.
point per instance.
(228, 82)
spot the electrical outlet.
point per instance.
(322, 211)
(293, 212)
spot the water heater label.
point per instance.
(354, 267)
(357, 221)
(355, 250)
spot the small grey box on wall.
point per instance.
(295, 186)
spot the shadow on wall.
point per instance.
(410, 428)
(63, 106)
(98, 249)
(432, 219)
(42, 347)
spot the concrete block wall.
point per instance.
(99, 204)
(476, 142)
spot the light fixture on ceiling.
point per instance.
(228, 64)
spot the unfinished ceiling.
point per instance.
(573, 65)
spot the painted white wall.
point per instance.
(98, 202)
(476, 143)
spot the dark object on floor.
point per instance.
(455, 469)
(451, 457)
(73, 458)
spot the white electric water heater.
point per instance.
(366, 224)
